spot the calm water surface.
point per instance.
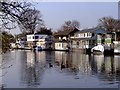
(24, 69)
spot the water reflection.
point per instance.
(74, 63)
(32, 69)
(105, 67)
(34, 65)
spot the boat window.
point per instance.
(84, 34)
(36, 37)
(93, 34)
(77, 43)
(87, 34)
(29, 37)
(33, 37)
(59, 45)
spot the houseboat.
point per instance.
(40, 41)
(88, 38)
(63, 40)
(102, 49)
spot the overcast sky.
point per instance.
(55, 14)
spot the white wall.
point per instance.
(30, 37)
(42, 44)
(60, 46)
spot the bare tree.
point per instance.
(10, 12)
(75, 23)
(31, 20)
(109, 24)
(21, 13)
(44, 30)
(70, 24)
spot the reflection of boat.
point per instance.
(97, 52)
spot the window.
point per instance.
(36, 37)
(33, 37)
(59, 45)
(77, 43)
(29, 37)
(59, 38)
(87, 34)
(64, 38)
(89, 42)
(46, 39)
(62, 45)
(93, 34)
(84, 34)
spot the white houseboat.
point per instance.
(40, 41)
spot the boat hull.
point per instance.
(97, 52)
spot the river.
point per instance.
(58, 69)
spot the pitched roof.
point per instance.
(93, 30)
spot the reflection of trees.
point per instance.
(118, 68)
(32, 70)
(93, 64)
(72, 62)
(49, 58)
(68, 62)
(112, 65)
(33, 76)
(6, 62)
(108, 68)
(65, 61)
(68, 59)
(103, 67)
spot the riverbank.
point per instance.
(85, 51)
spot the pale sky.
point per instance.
(55, 14)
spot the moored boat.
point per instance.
(102, 49)
(99, 49)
